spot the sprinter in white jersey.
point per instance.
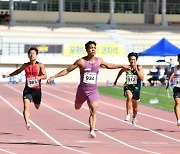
(175, 72)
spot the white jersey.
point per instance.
(176, 76)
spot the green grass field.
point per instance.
(147, 94)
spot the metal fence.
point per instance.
(87, 6)
(9, 49)
(103, 7)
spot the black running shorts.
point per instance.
(135, 91)
(176, 92)
(33, 95)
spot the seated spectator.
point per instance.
(164, 79)
(6, 18)
(155, 77)
(2, 18)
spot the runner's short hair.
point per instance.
(132, 54)
(178, 56)
(88, 43)
(32, 48)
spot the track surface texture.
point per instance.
(57, 128)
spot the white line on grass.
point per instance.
(153, 94)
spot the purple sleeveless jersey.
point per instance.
(87, 89)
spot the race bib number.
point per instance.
(177, 82)
(89, 78)
(131, 79)
(32, 82)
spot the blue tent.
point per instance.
(162, 48)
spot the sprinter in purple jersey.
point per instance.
(87, 89)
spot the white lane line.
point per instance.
(7, 151)
(119, 141)
(115, 106)
(44, 132)
(141, 127)
(139, 113)
(112, 117)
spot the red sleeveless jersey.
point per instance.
(31, 71)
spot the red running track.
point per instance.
(58, 128)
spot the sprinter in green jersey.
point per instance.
(132, 86)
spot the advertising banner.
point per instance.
(45, 48)
(106, 50)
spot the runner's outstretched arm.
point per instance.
(119, 74)
(111, 66)
(64, 72)
(169, 77)
(15, 72)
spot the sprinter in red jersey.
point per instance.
(34, 72)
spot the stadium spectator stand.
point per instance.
(142, 39)
(137, 40)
